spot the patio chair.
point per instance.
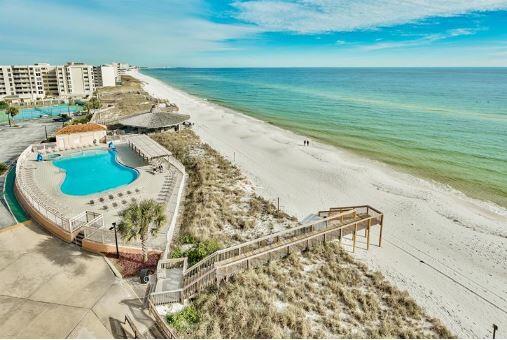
(105, 207)
(92, 202)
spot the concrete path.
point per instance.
(51, 289)
(14, 141)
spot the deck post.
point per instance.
(341, 234)
(381, 227)
(324, 238)
(354, 238)
(368, 235)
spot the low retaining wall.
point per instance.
(40, 219)
(97, 247)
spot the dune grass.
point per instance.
(221, 203)
(322, 293)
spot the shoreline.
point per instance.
(446, 249)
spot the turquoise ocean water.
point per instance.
(446, 124)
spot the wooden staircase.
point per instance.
(219, 266)
(78, 240)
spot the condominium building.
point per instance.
(22, 81)
(6, 82)
(50, 80)
(75, 80)
(39, 81)
(105, 75)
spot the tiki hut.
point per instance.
(154, 121)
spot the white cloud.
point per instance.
(320, 16)
(340, 42)
(425, 39)
(154, 34)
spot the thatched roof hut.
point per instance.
(155, 120)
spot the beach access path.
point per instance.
(447, 250)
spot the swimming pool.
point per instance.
(38, 112)
(94, 171)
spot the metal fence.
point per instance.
(25, 187)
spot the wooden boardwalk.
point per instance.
(219, 266)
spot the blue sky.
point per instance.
(216, 33)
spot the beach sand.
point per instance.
(447, 250)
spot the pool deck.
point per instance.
(148, 185)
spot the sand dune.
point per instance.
(447, 250)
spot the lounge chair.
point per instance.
(105, 207)
(92, 202)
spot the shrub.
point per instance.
(3, 168)
(81, 120)
(187, 238)
(177, 253)
(201, 250)
(184, 319)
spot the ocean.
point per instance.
(444, 124)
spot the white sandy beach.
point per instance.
(447, 250)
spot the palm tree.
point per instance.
(11, 112)
(140, 220)
(70, 103)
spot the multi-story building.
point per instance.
(39, 81)
(50, 80)
(105, 75)
(6, 82)
(75, 80)
(22, 81)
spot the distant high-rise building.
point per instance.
(22, 81)
(75, 80)
(105, 75)
(39, 81)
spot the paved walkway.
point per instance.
(14, 141)
(51, 289)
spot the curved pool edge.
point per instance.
(99, 151)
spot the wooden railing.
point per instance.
(222, 264)
(162, 325)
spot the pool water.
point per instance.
(10, 198)
(38, 112)
(91, 172)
